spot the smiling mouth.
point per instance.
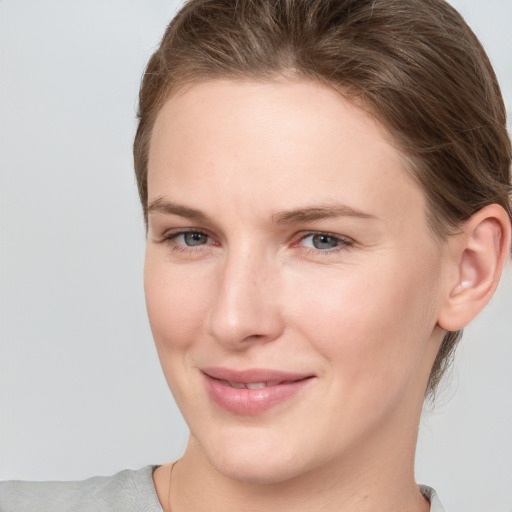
(252, 392)
(258, 385)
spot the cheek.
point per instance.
(175, 308)
(176, 313)
(363, 322)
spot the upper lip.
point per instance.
(253, 375)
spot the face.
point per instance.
(291, 279)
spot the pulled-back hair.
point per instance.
(413, 64)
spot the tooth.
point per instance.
(237, 385)
(255, 385)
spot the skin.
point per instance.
(362, 316)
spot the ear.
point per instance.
(476, 258)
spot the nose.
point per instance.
(245, 309)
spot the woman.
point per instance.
(326, 191)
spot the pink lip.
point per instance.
(281, 386)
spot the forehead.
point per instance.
(243, 109)
(277, 143)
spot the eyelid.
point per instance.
(170, 233)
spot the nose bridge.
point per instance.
(245, 308)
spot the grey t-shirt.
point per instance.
(127, 491)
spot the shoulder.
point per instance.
(127, 491)
(431, 495)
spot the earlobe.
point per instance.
(478, 254)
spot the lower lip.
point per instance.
(251, 401)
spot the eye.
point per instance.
(191, 238)
(324, 242)
(187, 240)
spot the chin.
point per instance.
(259, 458)
(260, 472)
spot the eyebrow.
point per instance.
(160, 205)
(319, 212)
(306, 214)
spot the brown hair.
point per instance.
(414, 64)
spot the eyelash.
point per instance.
(344, 243)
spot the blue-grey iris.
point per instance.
(194, 238)
(325, 242)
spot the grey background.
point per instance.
(81, 390)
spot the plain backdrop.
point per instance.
(81, 391)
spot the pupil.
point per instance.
(324, 242)
(195, 238)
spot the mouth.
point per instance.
(257, 385)
(253, 391)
